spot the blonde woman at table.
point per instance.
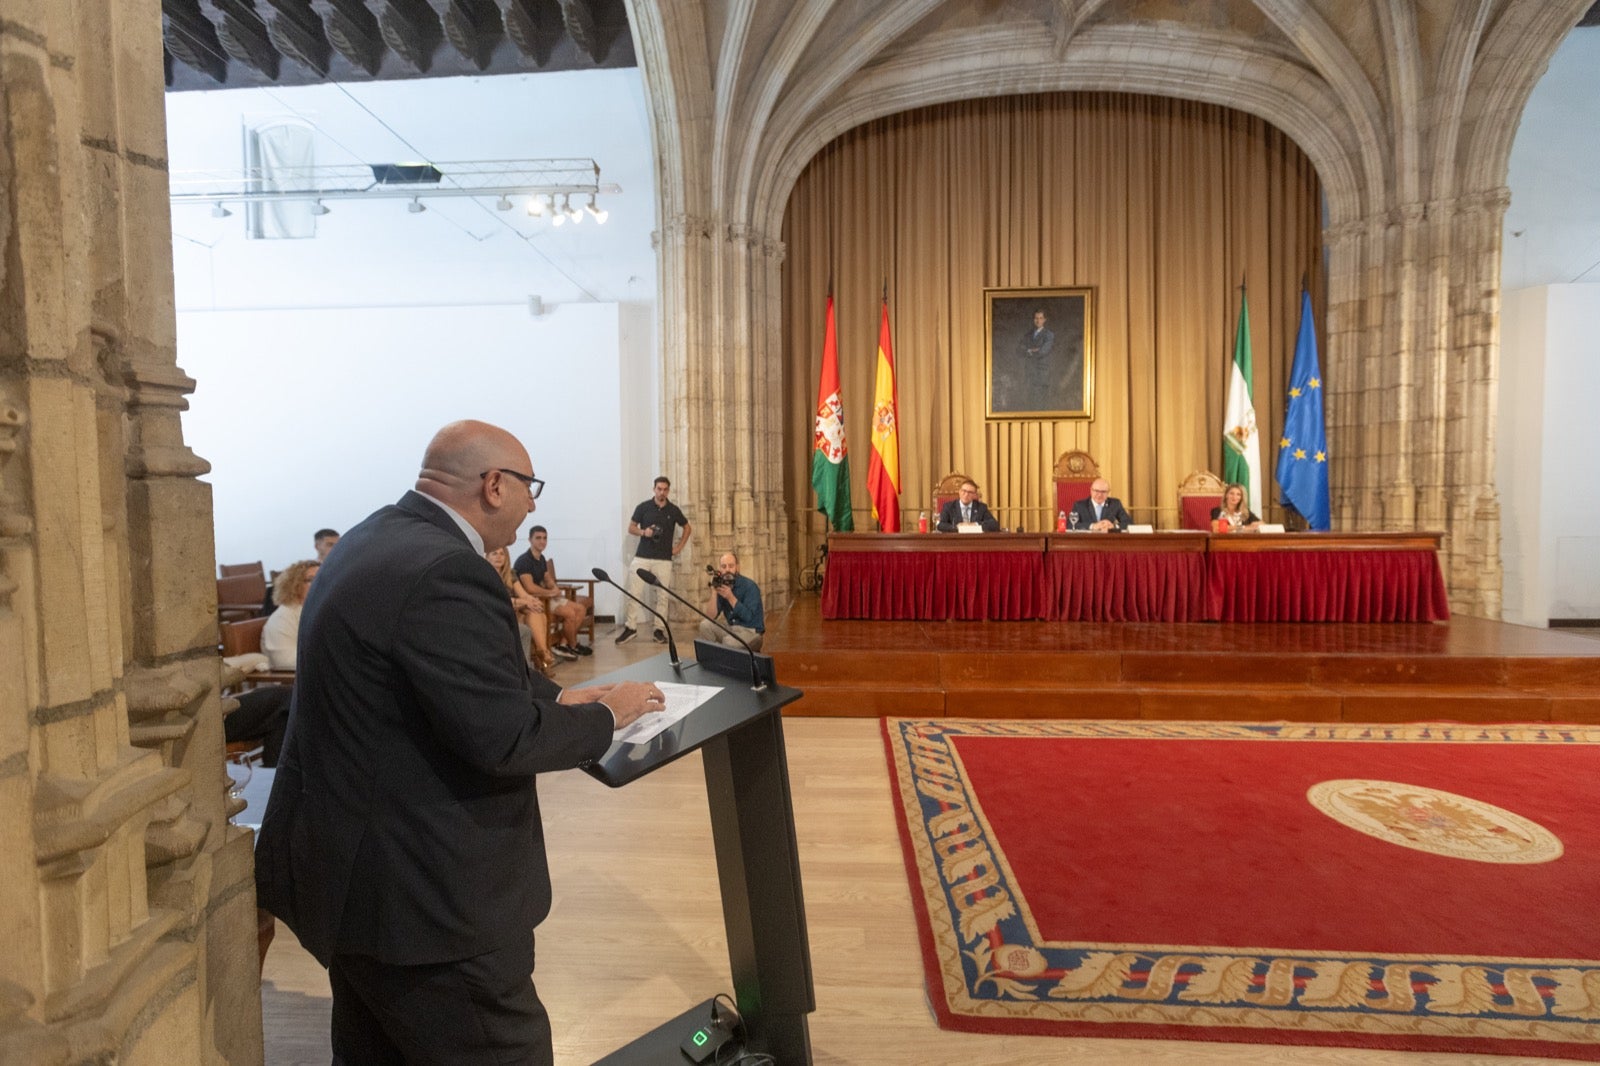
(1234, 515)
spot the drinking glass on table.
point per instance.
(1072, 520)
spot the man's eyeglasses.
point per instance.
(535, 486)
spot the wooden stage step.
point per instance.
(1465, 670)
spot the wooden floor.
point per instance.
(635, 935)
(1465, 670)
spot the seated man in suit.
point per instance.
(967, 508)
(1101, 512)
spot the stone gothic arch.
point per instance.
(1408, 117)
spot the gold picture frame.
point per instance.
(1037, 369)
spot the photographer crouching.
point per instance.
(738, 599)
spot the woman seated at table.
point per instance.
(1234, 515)
(531, 618)
(281, 634)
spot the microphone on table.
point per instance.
(755, 672)
(672, 645)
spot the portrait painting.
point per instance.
(1040, 358)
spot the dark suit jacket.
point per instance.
(950, 517)
(404, 822)
(1084, 509)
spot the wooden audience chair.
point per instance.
(1197, 495)
(243, 638)
(237, 569)
(572, 589)
(1074, 472)
(239, 596)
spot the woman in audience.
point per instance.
(1234, 515)
(282, 631)
(530, 613)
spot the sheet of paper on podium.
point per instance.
(681, 699)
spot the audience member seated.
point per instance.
(967, 507)
(738, 599)
(1234, 515)
(1101, 512)
(322, 541)
(262, 714)
(531, 620)
(536, 573)
(282, 631)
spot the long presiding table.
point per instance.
(1136, 577)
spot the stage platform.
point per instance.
(1464, 670)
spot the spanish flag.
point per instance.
(883, 469)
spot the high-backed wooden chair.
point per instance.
(1197, 495)
(243, 638)
(947, 489)
(236, 569)
(239, 596)
(1074, 472)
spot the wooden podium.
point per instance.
(739, 733)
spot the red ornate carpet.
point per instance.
(1419, 887)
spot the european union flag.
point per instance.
(1303, 448)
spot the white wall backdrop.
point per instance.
(1546, 445)
(325, 364)
(316, 418)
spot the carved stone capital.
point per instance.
(685, 227)
(155, 692)
(1342, 234)
(11, 422)
(155, 449)
(1409, 214)
(13, 522)
(74, 815)
(1492, 202)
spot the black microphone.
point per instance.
(755, 673)
(672, 645)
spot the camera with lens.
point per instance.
(718, 578)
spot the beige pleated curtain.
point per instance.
(1162, 207)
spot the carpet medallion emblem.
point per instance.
(1440, 823)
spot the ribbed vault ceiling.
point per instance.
(213, 44)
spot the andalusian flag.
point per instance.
(883, 469)
(830, 458)
(1241, 445)
(1303, 448)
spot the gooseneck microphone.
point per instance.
(755, 674)
(672, 645)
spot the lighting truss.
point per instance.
(390, 181)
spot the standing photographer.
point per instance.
(737, 597)
(654, 522)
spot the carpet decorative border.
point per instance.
(988, 973)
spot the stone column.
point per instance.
(1413, 321)
(126, 897)
(722, 376)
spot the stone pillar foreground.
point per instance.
(127, 904)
